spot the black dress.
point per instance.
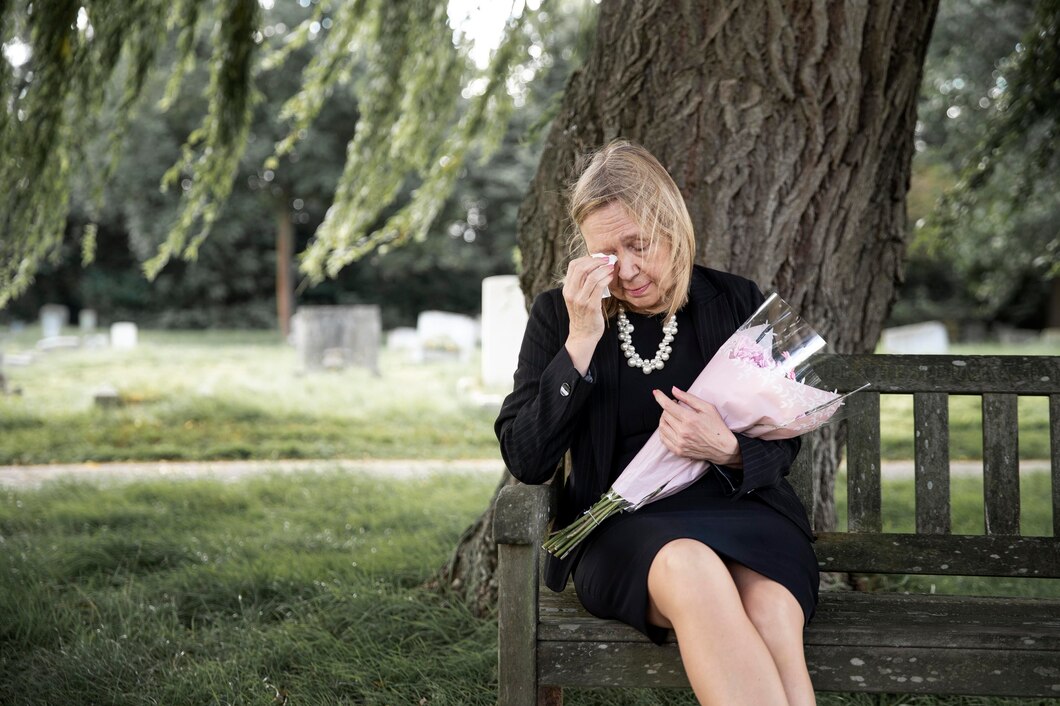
(611, 573)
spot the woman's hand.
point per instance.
(583, 290)
(696, 430)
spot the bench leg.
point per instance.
(517, 621)
(549, 696)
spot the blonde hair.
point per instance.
(625, 173)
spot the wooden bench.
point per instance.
(858, 641)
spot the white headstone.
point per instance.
(444, 334)
(503, 323)
(86, 320)
(405, 339)
(927, 338)
(123, 335)
(52, 319)
(331, 336)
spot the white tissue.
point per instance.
(611, 259)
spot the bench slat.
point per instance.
(933, 671)
(931, 419)
(957, 555)
(971, 374)
(1001, 480)
(1054, 447)
(864, 619)
(863, 465)
(832, 668)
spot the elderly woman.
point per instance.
(726, 563)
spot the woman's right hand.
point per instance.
(583, 290)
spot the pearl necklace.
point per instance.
(635, 361)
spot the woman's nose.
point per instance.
(627, 268)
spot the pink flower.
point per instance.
(746, 349)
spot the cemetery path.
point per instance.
(29, 477)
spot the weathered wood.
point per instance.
(832, 668)
(934, 671)
(549, 696)
(585, 664)
(863, 462)
(523, 512)
(1001, 475)
(958, 555)
(931, 419)
(861, 619)
(970, 375)
(517, 570)
(1054, 449)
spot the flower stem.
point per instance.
(561, 543)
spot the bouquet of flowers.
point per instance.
(762, 383)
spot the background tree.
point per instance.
(988, 251)
(232, 279)
(411, 131)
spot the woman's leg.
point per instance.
(691, 590)
(779, 619)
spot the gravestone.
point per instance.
(106, 396)
(405, 339)
(123, 335)
(338, 336)
(445, 335)
(87, 320)
(52, 319)
(503, 323)
(54, 343)
(927, 338)
(1011, 336)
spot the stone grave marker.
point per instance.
(123, 335)
(927, 338)
(503, 323)
(52, 319)
(405, 339)
(336, 336)
(445, 335)
(54, 343)
(87, 321)
(106, 396)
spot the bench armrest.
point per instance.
(523, 513)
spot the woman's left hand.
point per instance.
(696, 429)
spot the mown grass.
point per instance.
(240, 395)
(199, 592)
(235, 395)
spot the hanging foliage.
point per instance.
(425, 108)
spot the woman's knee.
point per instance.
(775, 613)
(685, 567)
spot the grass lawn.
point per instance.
(234, 395)
(198, 592)
(239, 394)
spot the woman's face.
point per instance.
(642, 274)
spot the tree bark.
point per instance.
(284, 266)
(788, 127)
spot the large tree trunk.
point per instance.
(788, 127)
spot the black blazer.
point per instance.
(553, 409)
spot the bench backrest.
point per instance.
(930, 379)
